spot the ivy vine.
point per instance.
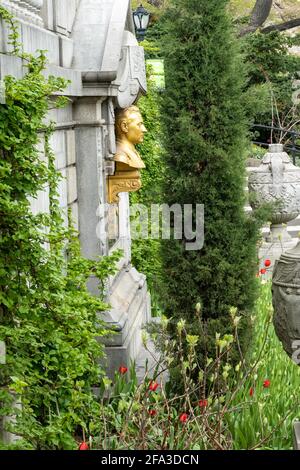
(48, 319)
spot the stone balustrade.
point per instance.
(26, 10)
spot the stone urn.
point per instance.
(286, 300)
(276, 180)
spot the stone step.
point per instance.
(294, 222)
(294, 231)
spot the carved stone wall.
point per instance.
(59, 15)
(27, 10)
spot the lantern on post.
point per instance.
(141, 18)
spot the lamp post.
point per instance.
(141, 18)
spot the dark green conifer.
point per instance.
(205, 139)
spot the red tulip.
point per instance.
(263, 271)
(152, 412)
(203, 403)
(267, 383)
(83, 446)
(267, 263)
(183, 417)
(123, 370)
(153, 386)
(251, 392)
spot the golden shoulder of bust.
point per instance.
(128, 156)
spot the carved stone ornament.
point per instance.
(286, 299)
(132, 72)
(123, 182)
(276, 180)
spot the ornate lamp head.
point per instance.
(141, 18)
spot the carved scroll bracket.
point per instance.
(122, 182)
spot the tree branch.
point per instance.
(156, 3)
(259, 15)
(260, 12)
(282, 26)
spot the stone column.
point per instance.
(26, 10)
(90, 175)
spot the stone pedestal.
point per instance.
(130, 311)
(277, 242)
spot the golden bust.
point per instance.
(130, 130)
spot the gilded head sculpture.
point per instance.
(130, 130)
(130, 125)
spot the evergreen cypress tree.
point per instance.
(205, 139)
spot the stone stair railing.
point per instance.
(26, 10)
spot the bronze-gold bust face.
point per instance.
(133, 128)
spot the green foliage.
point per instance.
(153, 38)
(270, 63)
(205, 130)
(152, 51)
(152, 8)
(48, 320)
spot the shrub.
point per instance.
(205, 130)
